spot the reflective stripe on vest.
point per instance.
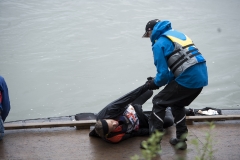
(184, 55)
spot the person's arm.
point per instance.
(117, 107)
(160, 49)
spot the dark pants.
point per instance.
(143, 117)
(177, 97)
(1, 127)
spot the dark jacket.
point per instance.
(116, 109)
(4, 99)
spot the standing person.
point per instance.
(124, 117)
(182, 68)
(4, 104)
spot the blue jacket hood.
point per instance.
(159, 29)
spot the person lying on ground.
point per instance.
(124, 117)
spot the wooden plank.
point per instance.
(191, 119)
(87, 123)
(215, 117)
(78, 124)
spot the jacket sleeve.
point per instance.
(117, 107)
(5, 104)
(160, 49)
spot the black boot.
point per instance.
(180, 144)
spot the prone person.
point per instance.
(124, 117)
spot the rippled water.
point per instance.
(66, 57)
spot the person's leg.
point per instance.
(117, 107)
(160, 102)
(176, 95)
(179, 113)
(143, 98)
(143, 119)
(156, 118)
(180, 120)
(1, 128)
(168, 119)
(181, 128)
(137, 104)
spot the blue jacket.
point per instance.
(5, 105)
(194, 77)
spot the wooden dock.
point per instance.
(58, 139)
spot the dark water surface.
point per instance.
(66, 57)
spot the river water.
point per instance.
(66, 57)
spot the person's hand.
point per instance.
(150, 78)
(151, 85)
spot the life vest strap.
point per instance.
(195, 49)
(184, 60)
(180, 58)
(178, 50)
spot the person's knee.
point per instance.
(159, 108)
(168, 122)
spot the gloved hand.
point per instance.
(151, 85)
(150, 78)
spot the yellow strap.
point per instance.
(181, 42)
